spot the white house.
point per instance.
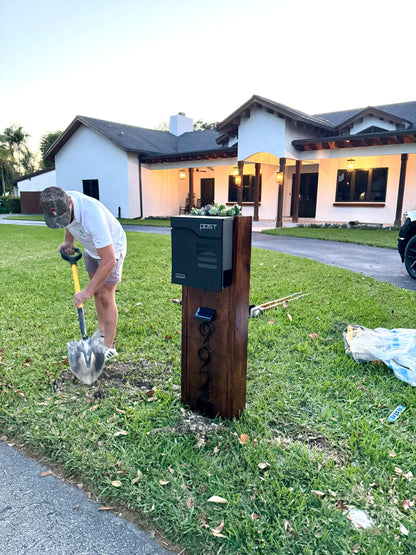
(292, 167)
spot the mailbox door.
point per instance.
(196, 261)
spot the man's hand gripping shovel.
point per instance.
(86, 357)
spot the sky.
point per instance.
(140, 61)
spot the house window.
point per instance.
(361, 185)
(90, 188)
(248, 189)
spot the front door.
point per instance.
(207, 191)
(307, 195)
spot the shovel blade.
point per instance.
(86, 359)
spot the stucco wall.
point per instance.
(163, 192)
(38, 182)
(327, 181)
(87, 155)
(409, 198)
(261, 132)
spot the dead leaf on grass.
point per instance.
(289, 528)
(164, 482)
(120, 433)
(116, 483)
(406, 475)
(404, 530)
(138, 477)
(217, 499)
(318, 494)
(407, 504)
(217, 531)
(243, 439)
(263, 466)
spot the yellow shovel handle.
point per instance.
(76, 280)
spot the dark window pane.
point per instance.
(248, 189)
(379, 185)
(360, 185)
(232, 189)
(343, 186)
(90, 188)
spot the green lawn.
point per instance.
(160, 222)
(316, 437)
(374, 237)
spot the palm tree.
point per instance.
(16, 139)
(6, 167)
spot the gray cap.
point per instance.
(56, 205)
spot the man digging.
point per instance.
(104, 240)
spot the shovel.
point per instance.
(86, 357)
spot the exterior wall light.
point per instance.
(237, 179)
(350, 164)
(235, 170)
(182, 174)
(279, 178)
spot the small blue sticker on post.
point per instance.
(396, 413)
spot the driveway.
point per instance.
(376, 262)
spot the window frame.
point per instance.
(247, 185)
(353, 183)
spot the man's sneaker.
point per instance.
(98, 336)
(110, 353)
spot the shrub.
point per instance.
(10, 205)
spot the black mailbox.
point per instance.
(202, 251)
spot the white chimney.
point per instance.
(180, 124)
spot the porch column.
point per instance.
(295, 192)
(191, 188)
(279, 219)
(257, 193)
(240, 187)
(400, 192)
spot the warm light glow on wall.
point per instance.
(237, 179)
(279, 178)
(235, 170)
(350, 164)
(182, 174)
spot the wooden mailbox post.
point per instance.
(214, 354)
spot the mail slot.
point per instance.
(202, 251)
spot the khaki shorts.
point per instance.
(91, 266)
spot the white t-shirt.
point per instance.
(95, 227)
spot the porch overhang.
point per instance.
(404, 136)
(189, 156)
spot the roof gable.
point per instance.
(231, 123)
(399, 122)
(405, 111)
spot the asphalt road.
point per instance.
(42, 515)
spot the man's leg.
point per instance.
(107, 312)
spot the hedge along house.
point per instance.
(356, 165)
(282, 165)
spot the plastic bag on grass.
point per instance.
(396, 348)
